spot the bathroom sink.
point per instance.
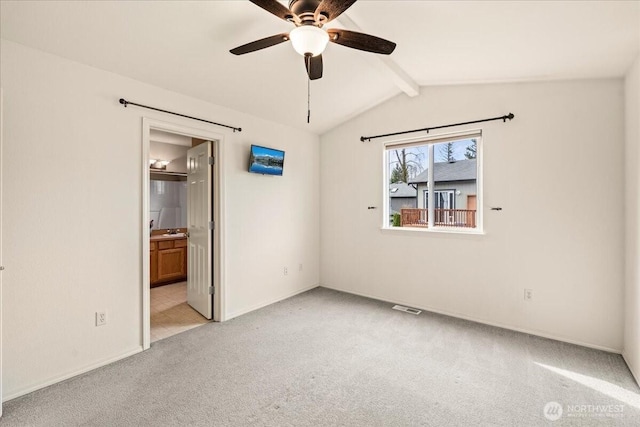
(174, 235)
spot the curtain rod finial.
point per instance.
(123, 101)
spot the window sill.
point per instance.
(441, 231)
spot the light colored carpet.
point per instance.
(327, 358)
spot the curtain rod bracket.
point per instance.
(125, 103)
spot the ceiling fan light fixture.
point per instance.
(308, 39)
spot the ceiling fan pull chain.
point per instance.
(308, 100)
(308, 58)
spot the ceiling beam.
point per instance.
(385, 64)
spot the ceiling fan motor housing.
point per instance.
(305, 9)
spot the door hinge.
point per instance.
(212, 161)
(212, 225)
(212, 290)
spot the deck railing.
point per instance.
(410, 217)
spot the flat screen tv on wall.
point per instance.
(266, 161)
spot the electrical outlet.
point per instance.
(286, 271)
(528, 294)
(300, 267)
(101, 318)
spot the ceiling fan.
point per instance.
(309, 39)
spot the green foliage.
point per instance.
(446, 152)
(397, 174)
(472, 149)
(396, 219)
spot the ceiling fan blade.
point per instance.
(328, 10)
(361, 41)
(260, 44)
(314, 67)
(272, 6)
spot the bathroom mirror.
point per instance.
(168, 183)
(168, 202)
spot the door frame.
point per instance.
(1, 243)
(218, 216)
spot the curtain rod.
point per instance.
(509, 116)
(125, 103)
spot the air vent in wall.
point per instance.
(406, 309)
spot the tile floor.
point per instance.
(170, 313)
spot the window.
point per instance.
(451, 202)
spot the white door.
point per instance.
(200, 229)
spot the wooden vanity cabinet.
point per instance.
(153, 251)
(168, 261)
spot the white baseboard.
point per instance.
(626, 360)
(483, 321)
(68, 375)
(270, 301)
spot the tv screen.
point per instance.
(267, 161)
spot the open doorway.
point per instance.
(168, 248)
(181, 251)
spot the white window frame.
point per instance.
(431, 141)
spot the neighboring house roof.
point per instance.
(460, 170)
(401, 189)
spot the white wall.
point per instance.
(632, 167)
(72, 242)
(557, 172)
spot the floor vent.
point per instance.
(406, 309)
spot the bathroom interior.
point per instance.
(170, 313)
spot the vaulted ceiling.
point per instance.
(184, 46)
